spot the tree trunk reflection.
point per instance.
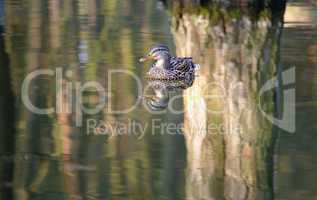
(229, 142)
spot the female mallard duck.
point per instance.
(168, 68)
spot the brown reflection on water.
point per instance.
(229, 142)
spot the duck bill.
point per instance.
(146, 58)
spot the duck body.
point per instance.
(169, 68)
(180, 69)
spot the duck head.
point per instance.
(160, 54)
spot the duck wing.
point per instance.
(182, 67)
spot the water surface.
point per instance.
(52, 157)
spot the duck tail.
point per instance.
(197, 67)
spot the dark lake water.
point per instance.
(296, 160)
(67, 156)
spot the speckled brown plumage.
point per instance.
(168, 68)
(181, 69)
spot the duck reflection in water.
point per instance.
(162, 89)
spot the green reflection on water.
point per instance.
(53, 158)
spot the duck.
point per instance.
(169, 68)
